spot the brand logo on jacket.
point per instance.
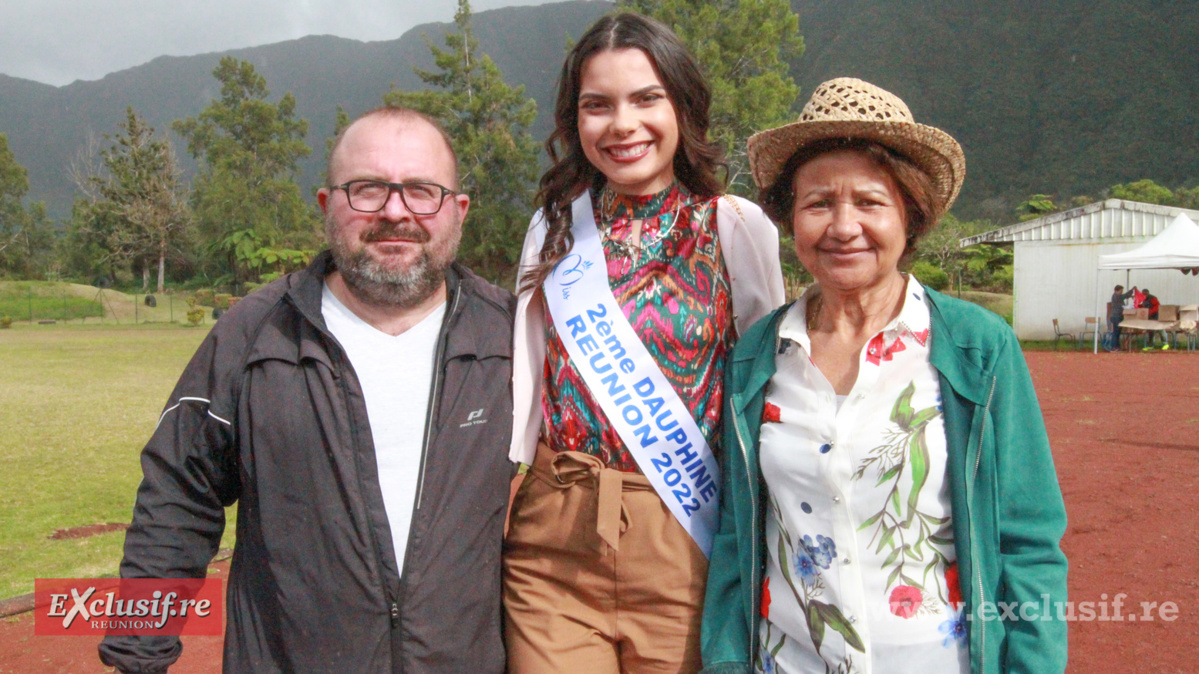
(475, 418)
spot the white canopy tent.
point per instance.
(1177, 247)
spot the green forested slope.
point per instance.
(1064, 97)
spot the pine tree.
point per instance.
(136, 210)
(249, 210)
(488, 122)
(745, 48)
(340, 121)
(26, 240)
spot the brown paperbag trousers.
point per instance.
(599, 576)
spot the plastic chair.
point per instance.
(1058, 334)
(1187, 333)
(1188, 328)
(1090, 325)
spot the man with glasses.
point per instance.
(359, 414)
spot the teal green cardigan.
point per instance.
(1008, 514)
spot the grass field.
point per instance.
(996, 302)
(21, 300)
(76, 406)
(82, 304)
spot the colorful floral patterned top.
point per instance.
(674, 289)
(861, 573)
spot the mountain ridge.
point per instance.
(1068, 98)
(49, 126)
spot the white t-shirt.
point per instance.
(395, 374)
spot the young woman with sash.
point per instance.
(637, 275)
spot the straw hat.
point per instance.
(850, 108)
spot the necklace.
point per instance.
(626, 248)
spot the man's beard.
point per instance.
(375, 283)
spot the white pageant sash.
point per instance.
(640, 403)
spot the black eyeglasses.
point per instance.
(369, 196)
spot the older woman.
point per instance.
(888, 483)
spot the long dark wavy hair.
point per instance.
(696, 161)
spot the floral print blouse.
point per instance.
(675, 292)
(861, 573)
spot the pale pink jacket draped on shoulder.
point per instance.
(750, 244)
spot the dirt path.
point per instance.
(1125, 434)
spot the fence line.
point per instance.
(49, 305)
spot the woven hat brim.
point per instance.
(933, 150)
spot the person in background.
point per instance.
(1151, 303)
(357, 413)
(600, 573)
(1115, 315)
(887, 476)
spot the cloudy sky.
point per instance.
(60, 41)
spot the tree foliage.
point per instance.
(981, 266)
(1036, 206)
(340, 121)
(941, 246)
(26, 240)
(134, 212)
(744, 47)
(930, 275)
(249, 211)
(1188, 198)
(487, 121)
(1145, 191)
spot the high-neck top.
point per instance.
(673, 287)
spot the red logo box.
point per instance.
(99, 606)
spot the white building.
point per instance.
(1056, 257)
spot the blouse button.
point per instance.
(824, 449)
(836, 499)
(846, 560)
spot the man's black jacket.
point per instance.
(270, 414)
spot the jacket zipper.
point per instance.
(433, 397)
(982, 428)
(755, 596)
(438, 355)
(394, 608)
